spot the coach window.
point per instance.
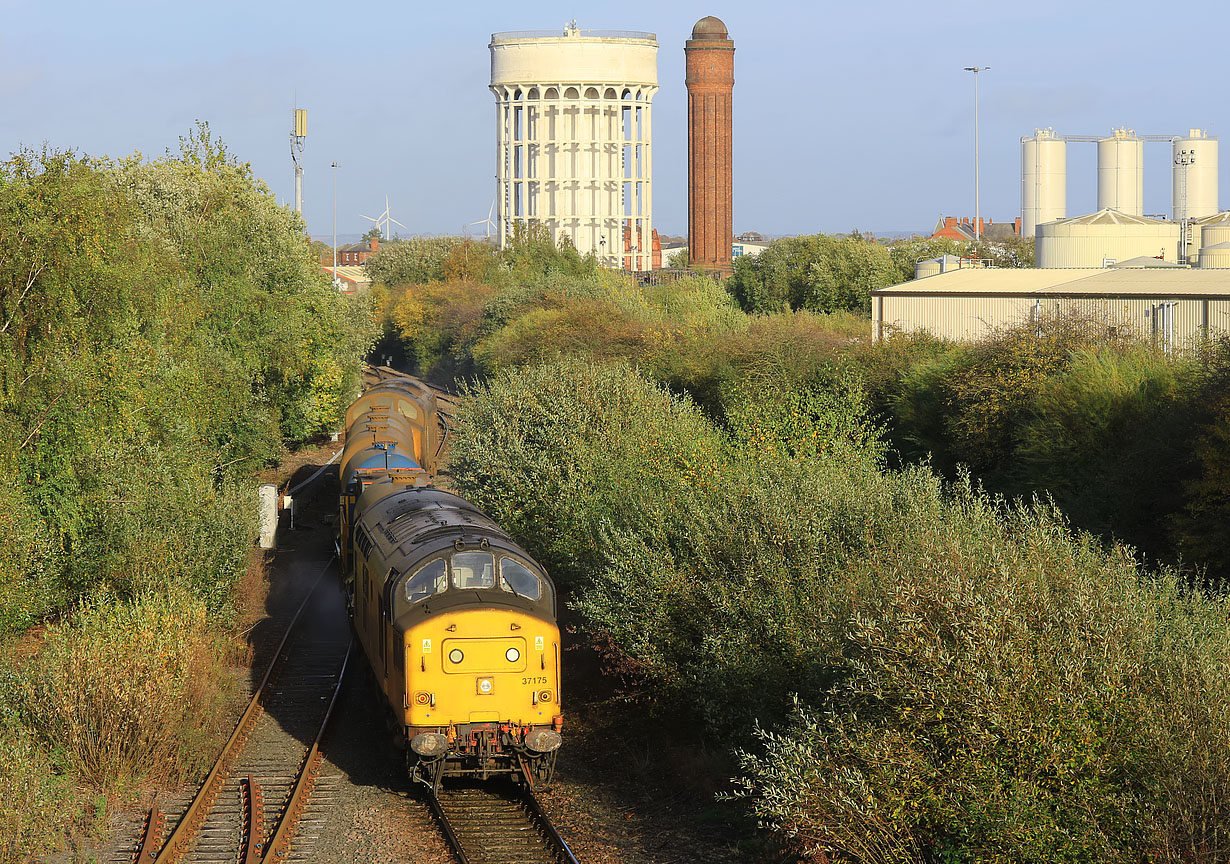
(473, 570)
(519, 579)
(430, 579)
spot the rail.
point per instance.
(482, 824)
(190, 824)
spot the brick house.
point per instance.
(357, 253)
(951, 228)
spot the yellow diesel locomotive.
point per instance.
(456, 620)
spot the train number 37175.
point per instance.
(535, 679)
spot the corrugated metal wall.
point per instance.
(964, 317)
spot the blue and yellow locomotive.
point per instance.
(456, 620)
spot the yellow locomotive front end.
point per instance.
(459, 625)
(488, 703)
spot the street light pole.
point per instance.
(334, 222)
(977, 213)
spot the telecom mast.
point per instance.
(297, 135)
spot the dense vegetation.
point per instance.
(912, 668)
(165, 333)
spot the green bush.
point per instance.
(166, 332)
(817, 272)
(1007, 691)
(130, 690)
(1110, 439)
(560, 452)
(935, 675)
(39, 800)
(1202, 526)
(412, 261)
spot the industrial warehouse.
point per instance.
(1175, 305)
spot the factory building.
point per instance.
(1174, 304)
(710, 79)
(574, 138)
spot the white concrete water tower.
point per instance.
(1044, 179)
(573, 138)
(1121, 173)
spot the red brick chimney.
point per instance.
(710, 61)
(375, 244)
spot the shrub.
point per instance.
(817, 272)
(1202, 527)
(935, 675)
(558, 452)
(131, 690)
(39, 799)
(1110, 439)
(1006, 691)
(412, 261)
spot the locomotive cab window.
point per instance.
(473, 570)
(516, 578)
(432, 578)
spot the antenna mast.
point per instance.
(297, 136)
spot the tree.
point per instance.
(413, 261)
(818, 272)
(678, 260)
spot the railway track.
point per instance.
(500, 824)
(262, 789)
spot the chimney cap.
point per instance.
(710, 28)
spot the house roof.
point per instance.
(355, 274)
(1070, 282)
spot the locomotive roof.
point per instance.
(417, 515)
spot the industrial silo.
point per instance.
(1215, 232)
(1194, 187)
(1104, 238)
(1216, 256)
(1121, 176)
(1044, 179)
(936, 266)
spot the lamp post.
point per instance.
(977, 213)
(334, 166)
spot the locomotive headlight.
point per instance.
(513, 655)
(455, 656)
(486, 686)
(429, 744)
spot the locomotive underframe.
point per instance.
(481, 751)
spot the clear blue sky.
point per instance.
(847, 115)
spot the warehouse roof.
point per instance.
(1074, 282)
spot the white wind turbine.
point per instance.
(384, 219)
(488, 222)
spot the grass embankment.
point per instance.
(914, 670)
(164, 335)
